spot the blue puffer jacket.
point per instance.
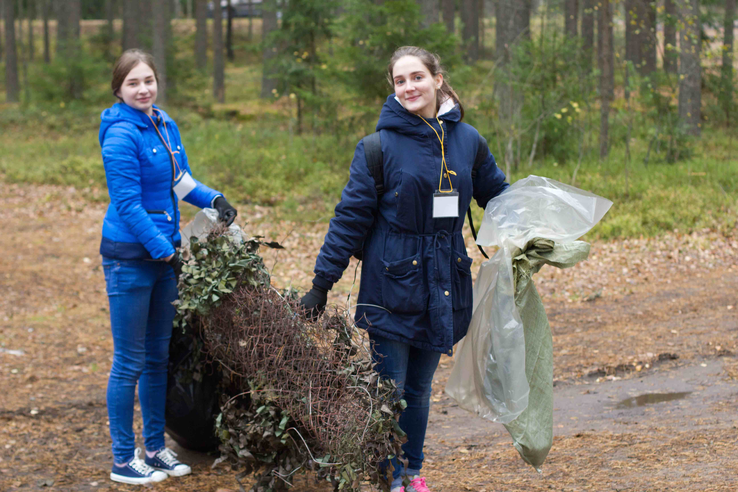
(142, 221)
(416, 282)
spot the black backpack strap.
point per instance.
(481, 157)
(375, 160)
(375, 163)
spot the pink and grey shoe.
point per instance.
(417, 484)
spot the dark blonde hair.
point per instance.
(127, 61)
(433, 63)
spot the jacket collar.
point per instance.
(395, 117)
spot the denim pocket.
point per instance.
(462, 284)
(403, 286)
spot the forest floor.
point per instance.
(645, 362)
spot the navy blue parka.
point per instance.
(416, 282)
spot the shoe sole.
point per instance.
(175, 473)
(135, 481)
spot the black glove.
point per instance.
(313, 303)
(176, 263)
(226, 212)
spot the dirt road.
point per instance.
(645, 339)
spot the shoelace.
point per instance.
(168, 457)
(418, 484)
(139, 466)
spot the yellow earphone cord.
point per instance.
(443, 157)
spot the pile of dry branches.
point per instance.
(295, 395)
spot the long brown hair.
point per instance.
(127, 62)
(433, 63)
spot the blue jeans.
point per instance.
(412, 369)
(141, 315)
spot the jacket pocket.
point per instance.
(403, 286)
(461, 280)
(161, 212)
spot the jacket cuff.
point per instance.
(212, 202)
(323, 283)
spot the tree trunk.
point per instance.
(109, 27)
(161, 18)
(727, 67)
(68, 15)
(470, 31)
(177, 9)
(229, 32)
(571, 18)
(648, 37)
(690, 71)
(588, 31)
(23, 53)
(269, 24)
(62, 26)
(429, 10)
(201, 34)
(670, 38)
(188, 9)
(502, 21)
(218, 57)
(131, 14)
(145, 25)
(449, 13)
(606, 59)
(31, 12)
(251, 20)
(2, 21)
(480, 6)
(47, 35)
(12, 87)
(632, 29)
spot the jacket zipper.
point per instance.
(171, 184)
(162, 212)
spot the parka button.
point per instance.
(387, 268)
(458, 260)
(397, 194)
(415, 262)
(446, 294)
(154, 150)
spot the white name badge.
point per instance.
(445, 205)
(184, 186)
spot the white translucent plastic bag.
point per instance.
(488, 377)
(204, 222)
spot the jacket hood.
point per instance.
(122, 112)
(395, 117)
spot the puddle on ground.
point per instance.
(650, 398)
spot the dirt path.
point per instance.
(640, 318)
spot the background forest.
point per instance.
(631, 99)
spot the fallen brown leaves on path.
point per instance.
(629, 310)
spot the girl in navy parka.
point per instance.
(147, 173)
(415, 297)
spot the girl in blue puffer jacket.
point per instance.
(415, 297)
(147, 173)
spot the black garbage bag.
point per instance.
(193, 395)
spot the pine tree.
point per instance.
(690, 70)
(201, 34)
(606, 61)
(218, 56)
(12, 86)
(670, 37)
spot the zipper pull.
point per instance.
(169, 217)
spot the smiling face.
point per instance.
(139, 88)
(415, 87)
